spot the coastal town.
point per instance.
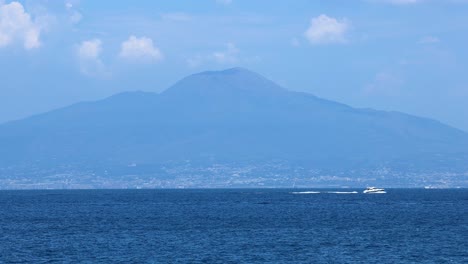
(267, 175)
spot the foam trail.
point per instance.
(353, 192)
(307, 192)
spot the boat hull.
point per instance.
(376, 192)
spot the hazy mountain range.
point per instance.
(234, 117)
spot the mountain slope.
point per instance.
(232, 116)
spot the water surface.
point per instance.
(234, 226)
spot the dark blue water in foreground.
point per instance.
(233, 226)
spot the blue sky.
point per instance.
(403, 55)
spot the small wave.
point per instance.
(308, 192)
(353, 192)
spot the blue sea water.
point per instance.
(233, 226)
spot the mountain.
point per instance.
(233, 117)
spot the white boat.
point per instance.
(374, 190)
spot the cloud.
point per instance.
(89, 55)
(140, 49)
(324, 29)
(229, 55)
(17, 25)
(429, 40)
(90, 49)
(224, 2)
(73, 15)
(68, 5)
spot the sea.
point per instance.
(234, 226)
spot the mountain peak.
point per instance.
(228, 81)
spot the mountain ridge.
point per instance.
(229, 117)
(141, 93)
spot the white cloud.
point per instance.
(90, 49)
(324, 29)
(89, 55)
(429, 40)
(140, 49)
(17, 25)
(224, 2)
(229, 55)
